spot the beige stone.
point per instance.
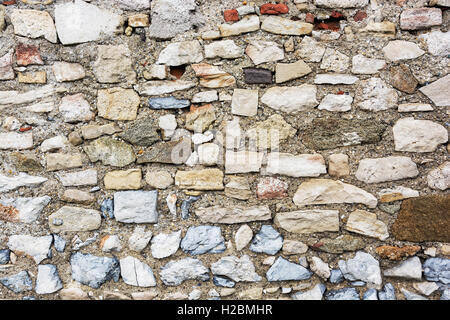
(123, 180)
(243, 237)
(61, 161)
(338, 165)
(366, 223)
(77, 196)
(37, 77)
(251, 294)
(244, 102)
(73, 294)
(308, 221)
(291, 247)
(73, 219)
(65, 71)
(138, 20)
(207, 179)
(289, 71)
(94, 131)
(284, 26)
(159, 179)
(233, 214)
(117, 104)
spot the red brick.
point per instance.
(270, 8)
(360, 15)
(337, 15)
(231, 15)
(28, 54)
(309, 18)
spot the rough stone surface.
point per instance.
(308, 221)
(436, 91)
(92, 270)
(284, 270)
(74, 219)
(48, 280)
(386, 169)
(362, 267)
(136, 273)
(366, 223)
(165, 245)
(203, 239)
(409, 269)
(136, 206)
(35, 247)
(267, 240)
(177, 271)
(439, 178)
(110, 152)
(291, 99)
(33, 24)
(235, 214)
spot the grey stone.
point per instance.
(142, 132)
(4, 256)
(408, 269)
(176, 272)
(59, 243)
(171, 152)
(336, 276)
(139, 239)
(388, 293)
(136, 206)
(437, 269)
(284, 270)
(186, 205)
(316, 293)
(411, 296)
(18, 283)
(445, 295)
(171, 17)
(343, 294)
(203, 239)
(370, 294)
(223, 282)
(165, 245)
(267, 240)
(362, 267)
(136, 273)
(47, 280)
(93, 271)
(237, 269)
(168, 103)
(110, 152)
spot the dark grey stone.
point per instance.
(186, 205)
(343, 294)
(93, 271)
(268, 240)
(203, 239)
(284, 270)
(18, 283)
(257, 76)
(172, 152)
(4, 256)
(437, 269)
(223, 282)
(168, 103)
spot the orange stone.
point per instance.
(231, 15)
(9, 213)
(396, 253)
(270, 8)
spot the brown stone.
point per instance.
(28, 54)
(424, 218)
(25, 162)
(271, 188)
(403, 79)
(339, 245)
(396, 253)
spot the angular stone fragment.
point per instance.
(310, 50)
(408, 269)
(205, 96)
(386, 169)
(208, 154)
(242, 161)
(156, 88)
(18, 141)
(424, 218)
(335, 61)
(336, 103)
(21, 180)
(244, 102)
(377, 29)
(94, 131)
(339, 245)
(235, 214)
(136, 273)
(203, 239)
(269, 133)
(176, 272)
(271, 188)
(257, 76)
(77, 179)
(75, 108)
(180, 53)
(18, 283)
(212, 77)
(206, 179)
(402, 50)
(414, 107)
(62, 161)
(308, 221)
(123, 180)
(291, 99)
(438, 43)
(366, 223)
(237, 269)
(243, 237)
(27, 54)
(159, 179)
(397, 253)
(165, 245)
(37, 248)
(142, 132)
(439, 178)
(78, 22)
(93, 271)
(437, 91)
(172, 152)
(338, 165)
(284, 26)
(420, 18)
(55, 143)
(316, 293)
(33, 24)
(363, 65)
(267, 240)
(77, 196)
(73, 219)
(425, 287)
(346, 294)
(26, 210)
(362, 267)
(171, 17)
(264, 51)
(136, 206)
(114, 64)
(412, 135)
(48, 280)
(284, 270)
(117, 104)
(246, 24)
(168, 103)
(303, 165)
(341, 3)
(437, 269)
(6, 69)
(375, 95)
(110, 152)
(403, 79)
(397, 193)
(65, 71)
(226, 49)
(289, 71)
(335, 78)
(16, 97)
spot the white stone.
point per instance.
(33, 24)
(165, 244)
(41, 107)
(414, 107)
(335, 78)
(242, 161)
(136, 206)
(408, 269)
(16, 97)
(366, 223)
(311, 50)
(336, 103)
(208, 154)
(341, 3)
(291, 99)
(363, 65)
(65, 71)
(244, 102)
(362, 267)
(303, 165)
(243, 237)
(327, 191)
(36, 247)
(205, 96)
(78, 22)
(199, 138)
(226, 49)
(192, 160)
(112, 244)
(439, 178)
(75, 108)
(402, 50)
(246, 24)
(11, 124)
(28, 209)
(316, 293)
(334, 60)
(425, 287)
(139, 239)
(320, 268)
(284, 26)
(156, 71)
(79, 178)
(136, 273)
(375, 95)
(156, 88)
(55, 143)
(438, 43)
(21, 180)
(6, 62)
(412, 135)
(400, 192)
(179, 53)
(264, 51)
(168, 124)
(386, 169)
(437, 91)
(47, 280)
(14, 140)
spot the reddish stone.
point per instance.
(337, 15)
(420, 18)
(231, 15)
(25, 129)
(270, 8)
(28, 54)
(360, 15)
(8, 2)
(396, 253)
(271, 188)
(330, 25)
(309, 18)
(9, 213)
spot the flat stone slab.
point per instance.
(386, 169)
(136, 206)
(235, 214)
(303, 165)
(74, 219)
(308, 221)
(237, 269)
(437, 91)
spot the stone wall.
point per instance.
(181, 149)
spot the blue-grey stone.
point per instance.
(358, 283)
(175, 273)
(93, 271)
(168, 103)
(445, 294)
(343, 294)
(203, 239)
(336, 276)
(18, 283)
(370, 294)
(437, 269)
(29, 298)
(186, 205)
(267, 240)
(284, 270)
(107, 208)
(223, 282)
(388, 293)
(59, 243)
(411, 295)
(4, 256)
